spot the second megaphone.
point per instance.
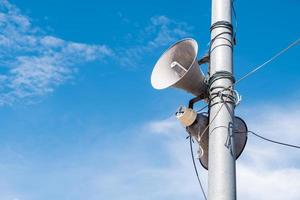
(178, 67)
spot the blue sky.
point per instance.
(80, 120)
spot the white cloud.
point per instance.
(165, 126)
(161, 32)
(254, 183)
(264, 171)
(167, 31)
(138, 175)
(267, 170)
(33, 62)
(154, 162)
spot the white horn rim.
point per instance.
(156, 83)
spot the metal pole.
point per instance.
(221, 174)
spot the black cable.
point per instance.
(198, 111)
(216, 37)
(195, 167)
(273, 141)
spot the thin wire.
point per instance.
(200, 135)
(273, 141)
(202, 108)
(296, 42)
(195, 167)
(224, 102)
(236, 21)
(191, 147)
(199, 138)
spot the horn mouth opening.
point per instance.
(174, 63)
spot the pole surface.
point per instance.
(221, 174)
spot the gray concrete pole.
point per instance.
(221, 174)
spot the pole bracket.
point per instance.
(205, 59)
(194, 100)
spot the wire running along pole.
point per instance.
(221, 162)
(195, 167)
(296, 42)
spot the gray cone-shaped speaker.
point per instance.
(178, 67)
(240, 131)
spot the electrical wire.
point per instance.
(198, 111)
(195, 167)
(199, 138)
(296, 42)
(236, 21)
(202, 133)
(273, 141)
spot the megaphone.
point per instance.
(196, 126)
(178, 67)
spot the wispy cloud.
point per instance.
(34, 63)
(161, 32)
(264, 171)
(154, 162)
(267, 170)
(165, 126)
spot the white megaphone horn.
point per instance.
(178, 67)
